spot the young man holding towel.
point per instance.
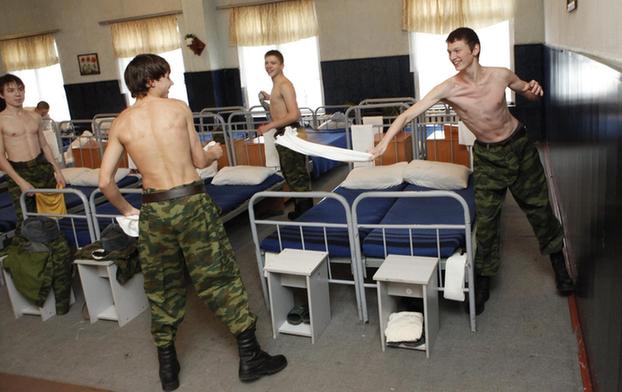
(503, 157)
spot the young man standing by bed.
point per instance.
(284, 112)
(179, 224)
(25, 155)
(503, 157)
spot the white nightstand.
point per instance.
(409, 276)
(106, 298)
(294, 268)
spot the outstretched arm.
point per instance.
(531, 90)
(434, 96)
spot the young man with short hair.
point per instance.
(503, 157)
(25, 155)
(179, 227)
(284, 112)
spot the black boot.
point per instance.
(482, 293)
(169, 368)
(300, 206)
(564, 283)
(254, 362)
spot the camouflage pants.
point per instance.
(514, 164)
(186, 233)
(39, 173)
(294, 167)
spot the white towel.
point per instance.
(129, 224)
(404, 327)
(272, 155)
(290, 140)
(454, 277)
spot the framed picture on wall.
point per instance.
(571, 5)
(88, 63)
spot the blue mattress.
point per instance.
(229, 197)
(8, 218)
(332, 137)
(442, 210)
(226, 197)
(72, 200)
(330, 211)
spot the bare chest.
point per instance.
(14, 128)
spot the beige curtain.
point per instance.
(443, 16)
(152, 35)
(29, 52)
(273, 23)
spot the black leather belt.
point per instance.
(520, 131)
(175, 193)
(32, 163)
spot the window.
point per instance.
(431, 63)
(176, 61)
(302, 68)
(46, 84)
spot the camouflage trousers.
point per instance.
(187, 234)
(39, 173)
(513, 163)
(294, 167)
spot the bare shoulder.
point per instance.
(500, 72)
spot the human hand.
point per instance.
(534, 88)
(264, 95)
(24, 186)
(131, 212)
(263, 128)
(60, 179)
(378, 150)
(215, 151)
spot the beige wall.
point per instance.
(348, 28)
(593, 28)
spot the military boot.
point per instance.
(255, 363)
(564, 283)
(482, 293)
(169, 368)
(300, 207)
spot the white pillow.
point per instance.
(71, 173)
(90, 177)
(242, 175)
(437, 175)
(375, 177)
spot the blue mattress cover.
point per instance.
(330, 211)
(229, 197)
(442, 210)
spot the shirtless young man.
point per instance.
(179, 223)
(503, 157)
(284, 112)
(25, 156)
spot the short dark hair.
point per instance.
(43, 105)
(143, 69)
(276, 54)
(9, 79)
(464, 34)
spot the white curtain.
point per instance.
(274, 23)
(152, 35)
(28, 53)
(443, 16)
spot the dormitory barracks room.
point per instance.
(310, 195)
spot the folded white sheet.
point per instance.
(290, 140)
